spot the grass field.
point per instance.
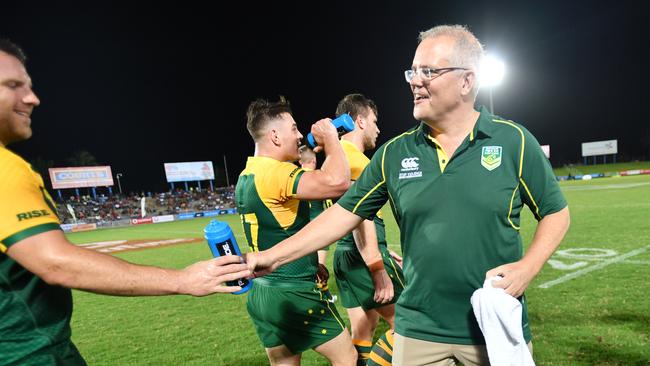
(589, 306)
(601, 168)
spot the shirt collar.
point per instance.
(350, 144)
(482, 128)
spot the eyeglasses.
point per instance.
(427, 73)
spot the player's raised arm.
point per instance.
(333, 178)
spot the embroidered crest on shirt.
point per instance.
(491, 157)
(410, 168)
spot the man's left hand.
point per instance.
(516, 277)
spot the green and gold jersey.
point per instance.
(458, 216)
(317, 207)
(270, 213)
(357, 162)
(34, 316)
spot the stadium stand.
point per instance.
(104, 210)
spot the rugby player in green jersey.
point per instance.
(289, 311)
(38, 265)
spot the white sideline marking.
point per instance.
(100, 244)
(606, 186)
(142, 245)
(600, 265)
(565, 267)
(637, 262)
(172, 231)
(629, 261)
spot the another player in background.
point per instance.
(309, 162)
(369, 279)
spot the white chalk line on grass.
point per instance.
(600, 265)
(628, 261)
(637, 262)
(604, 186)
(195, 233)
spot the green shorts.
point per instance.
(61, 354)
(354, 281)
(294, 314)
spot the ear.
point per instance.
(274, 136)
(469, 80)
(360, 122)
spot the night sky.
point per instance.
(140, 85)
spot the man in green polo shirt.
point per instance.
(456, 184)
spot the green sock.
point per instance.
(382, 352)
(363, 348)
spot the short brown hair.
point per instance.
(356, 104)
(261, 111)
(12, 49)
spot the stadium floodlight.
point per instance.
(492, 73)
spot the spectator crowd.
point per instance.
(103, 208)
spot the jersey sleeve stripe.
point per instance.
(31, 231)
(354, 210)
(514, 191)
(536, 211)
(296, 180)
(523, 142)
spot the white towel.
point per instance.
(499, 316)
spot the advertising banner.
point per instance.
(635, 172)
(190, 171)
(78, 227)
(81, 177)
(185, 216)
(165, 218)
(596, 148)
(84, 227)
(146, 220)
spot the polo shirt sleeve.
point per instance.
(369, 193)
(25, 207)
(541, 191)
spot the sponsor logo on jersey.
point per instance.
(491, 157)
(32, 214)
(410, 168)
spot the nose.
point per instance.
(299, 135)
(416, 80)
(31, 99)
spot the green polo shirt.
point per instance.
(458, 217)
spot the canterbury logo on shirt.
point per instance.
(410, 168)
(32, 214)
(410, 163)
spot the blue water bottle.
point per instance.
(221, 241)
(343, 125)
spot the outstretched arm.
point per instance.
(51, 257)
(327, 228)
